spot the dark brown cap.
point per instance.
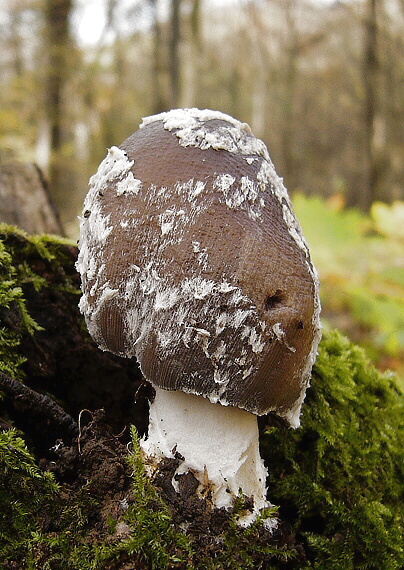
(192, 260)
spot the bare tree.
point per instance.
(191, 54)
(16, 42)
(157, 68)
(174, 51)
(56, 17)
(371, 75)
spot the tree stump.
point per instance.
(25, 201)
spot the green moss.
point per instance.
(30, 499)
(340, 476)
(153, 539)
(243, 549)
(11, 295)
(25, 492)
(338, 480)
(16, 250)
(40, 526)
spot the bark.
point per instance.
(191, 57)
(174, 46)
(159, 99)
(291, 75)
(16, 43)
(56, 13)
(373, 119)
(25, 200)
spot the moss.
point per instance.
(153, 539)
(339, 478)
(25, 492)
(41, 526)
(52, 531)
(250, 548)
(11, 295)
(156, 540)
(16, 250)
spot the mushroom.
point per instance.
(193, 262)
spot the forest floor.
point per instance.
(74, 494)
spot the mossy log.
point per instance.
(79, 498)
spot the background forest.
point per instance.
(319, 81)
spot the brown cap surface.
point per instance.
(192, 261)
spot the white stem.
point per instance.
(219, 445)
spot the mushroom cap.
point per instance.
(193, 262)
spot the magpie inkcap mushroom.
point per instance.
(193, 262)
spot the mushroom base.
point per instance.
(219, 445)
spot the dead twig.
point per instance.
(79, 426)
(39, 403)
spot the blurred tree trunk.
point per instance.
(25, 200)
(393, 102)
(292, 49)
(374, 123)
(174, 53)
(16, 40)
(56, 16)
(191, 56)
(157, 68)
(257, 33)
